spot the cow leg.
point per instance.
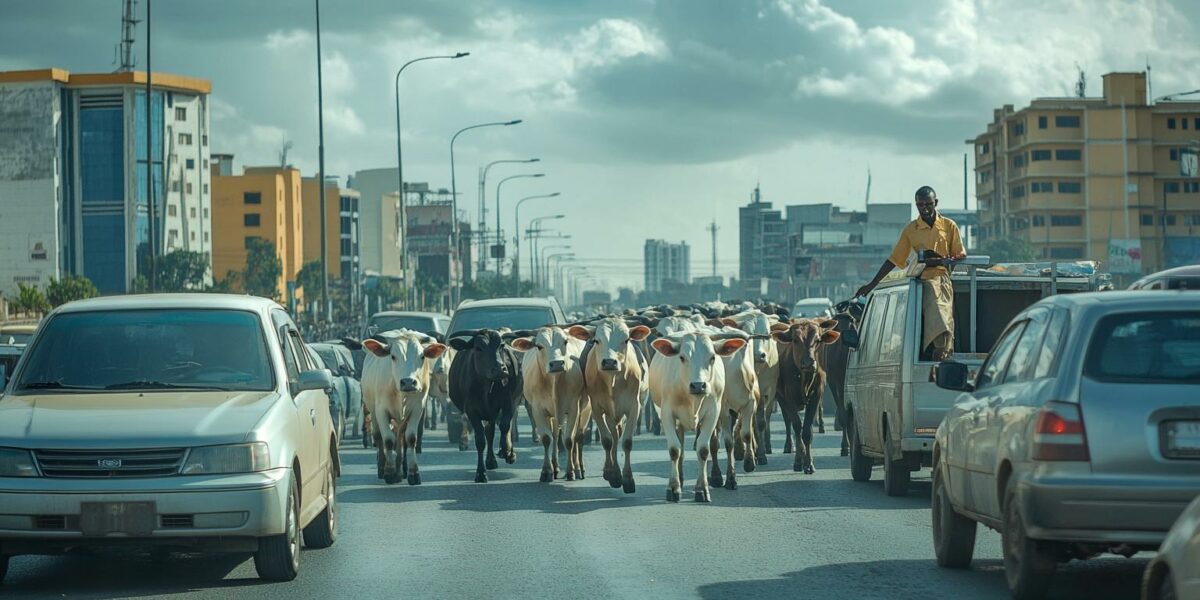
(489, 433)
(820, 415)
(634, 416)
(544, 432)
(762, 424)
(679, 433)
(380, 457)
(604, 422)
(749, 440)
(465, 441)
(420, 434)
(480, 437)
(728, 433)
(508, 420)
(791, 421)
(413, 435)
(806, 434)
(715, 479)
(787, 432)
(705, 428)
(389, 447)
(568, 425)
(675, 452)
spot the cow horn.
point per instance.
(464, 333)
(512, 335)
(728, 335)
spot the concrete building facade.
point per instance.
(379, 205)
(763, 249)
(342, 217)
(263, 202)
(666, 263)
(1109, 178)
(74, 174)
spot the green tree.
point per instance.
(30, 299)
(71, 287)
(182, 271)
(263, 269)
(1008, 250)
(309, 279)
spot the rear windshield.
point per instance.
(421, 324)
(148, 350)
(1146, 348)
(514, 318)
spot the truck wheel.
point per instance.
(278, 556)
(322, 532)
(1028, 566)
(953, 534)
(896, 476)
(860, 465)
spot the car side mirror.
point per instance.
(954, 376)
(850, 338)
(317, 379)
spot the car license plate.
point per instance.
(1181, 439)
(129, 518)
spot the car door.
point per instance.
(973, 417)
(868, 417)
(310, 405)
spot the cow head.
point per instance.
(804, 338)
(552, 347)
(758, 325)
(610, 339)
(697, 354)
(488, 345)
(410, 353)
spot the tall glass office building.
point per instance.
(75, 175)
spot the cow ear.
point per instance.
(580, 332)
(728, 321)
(784, 336)
(639, 333)
(460, 344)
(780, 327)
(521, 344)
(376, 347)
(830, 336)
(828, 324)
(728, 347)
(715, 322)
(351, 343)
(434, 350)
(665, 347)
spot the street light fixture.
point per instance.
(517, 233)
(408, 277)
(454, 198)
(549, 260)
(483, 203)
(542, 275)
(557, 282)
(533, 262)
(499, 237)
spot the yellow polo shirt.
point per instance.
(942, 238)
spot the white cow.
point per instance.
(615, 381)
(740, 397)
(552, 377)
(396, 384)
(687, 383)
(765, 353)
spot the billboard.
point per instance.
(1125, 256)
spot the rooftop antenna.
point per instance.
(283, 152)
(1081, 84)
(125, 48)
(712, 228)
(868, 185)
(756, 197)
(1149, 85)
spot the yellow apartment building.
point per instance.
(341, 228)
(1110, 178)
(263, 202)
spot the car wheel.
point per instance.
(1028, 566)
(278, 556)
(953, 534)
(860, 465)
(322, 532)
(3, 566)
(896, 476)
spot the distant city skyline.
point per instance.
(651, 118)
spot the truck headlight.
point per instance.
(15, 462)
(236, 458)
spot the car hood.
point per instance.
(131, 420)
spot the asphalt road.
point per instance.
(781, 535)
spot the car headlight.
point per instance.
(15, 462)
(236, 458)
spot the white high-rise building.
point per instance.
(666, 262)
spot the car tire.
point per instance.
(278, 556)
(896, 476)
(3, 566)
(1028, 566)
(953, 534)
(860, 465)
(322, 532)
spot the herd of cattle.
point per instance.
(717, 370)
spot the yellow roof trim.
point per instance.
(161, 80)
(59, 75)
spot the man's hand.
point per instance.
(863, 291)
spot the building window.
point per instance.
(1191, 187)
(185, 139)
(1039, 221)
(206, 236)
(984, 148)
(1147, 220)
(204, 189)
(180, 113)
(175, 186)
(345, 225)
(345, 248)
(191, 163)
(249, 241)
(1197, 124)
(1038, 155)
(1171, 187)
(1066, 220)
(1016, 129)
(1066, 121)
(172, 211)
(1066, 252)
(206, 213)
(1170, 219)
(251, 198)
(192, 212)
(188, 190)
(1174, 154)
(1068, 155)
(1183, 122)
(206, 164)
(1042, 122)
(1017, 191)
(1070, 187)
(1018, 160)
(251, 220)
(204, 140)
(1191, 219)
(1171, 123)
(1041, 187)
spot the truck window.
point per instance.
(999, 359)
(875, 317)
(891, 344)
(1024, 357)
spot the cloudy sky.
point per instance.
(651, 117)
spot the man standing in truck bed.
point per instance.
(936, 242)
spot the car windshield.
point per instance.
(15, 338)
(414, 323)
(810, 309)
(1146, 348)
(328, 357)
(513, 317)
(148, 350)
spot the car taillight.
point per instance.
(1058, 434)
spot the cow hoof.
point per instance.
(379, 472)
(480, 477)
(821, 429)
(702, 496)
(570, 476)
(787, 449)
(748, 465)
(462, 447)
(731, 484)
(418, 448)
(672, 495)
(761, 460)
(582, 473)
(414, 479)
(768, 451)
(510, 458)
(490, 463)
(716, 481)
(845, 452)
(614, 483)
(629, 486)
(390, 478)
(798, 468)
(809, 471)
(739, 454)
(546, 477)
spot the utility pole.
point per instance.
(151, 218)
(321, 175)
(713, 230)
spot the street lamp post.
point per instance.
(569, 273)
(457, 283)
(557, 281)
(543, 276)
(483, 204)
(499, 237)
(534, 237)
(408, 277)
(517, 234)
(550, 279)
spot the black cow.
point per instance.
(837, 357)
(485, 384)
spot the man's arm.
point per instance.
(957, 252)
(883, 271)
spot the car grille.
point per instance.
(50, 522)
(110, 464)
(178, 521)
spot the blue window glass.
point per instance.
(102, 143)
(104, 252)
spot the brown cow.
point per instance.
(802, 378)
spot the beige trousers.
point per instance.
(938, 307)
